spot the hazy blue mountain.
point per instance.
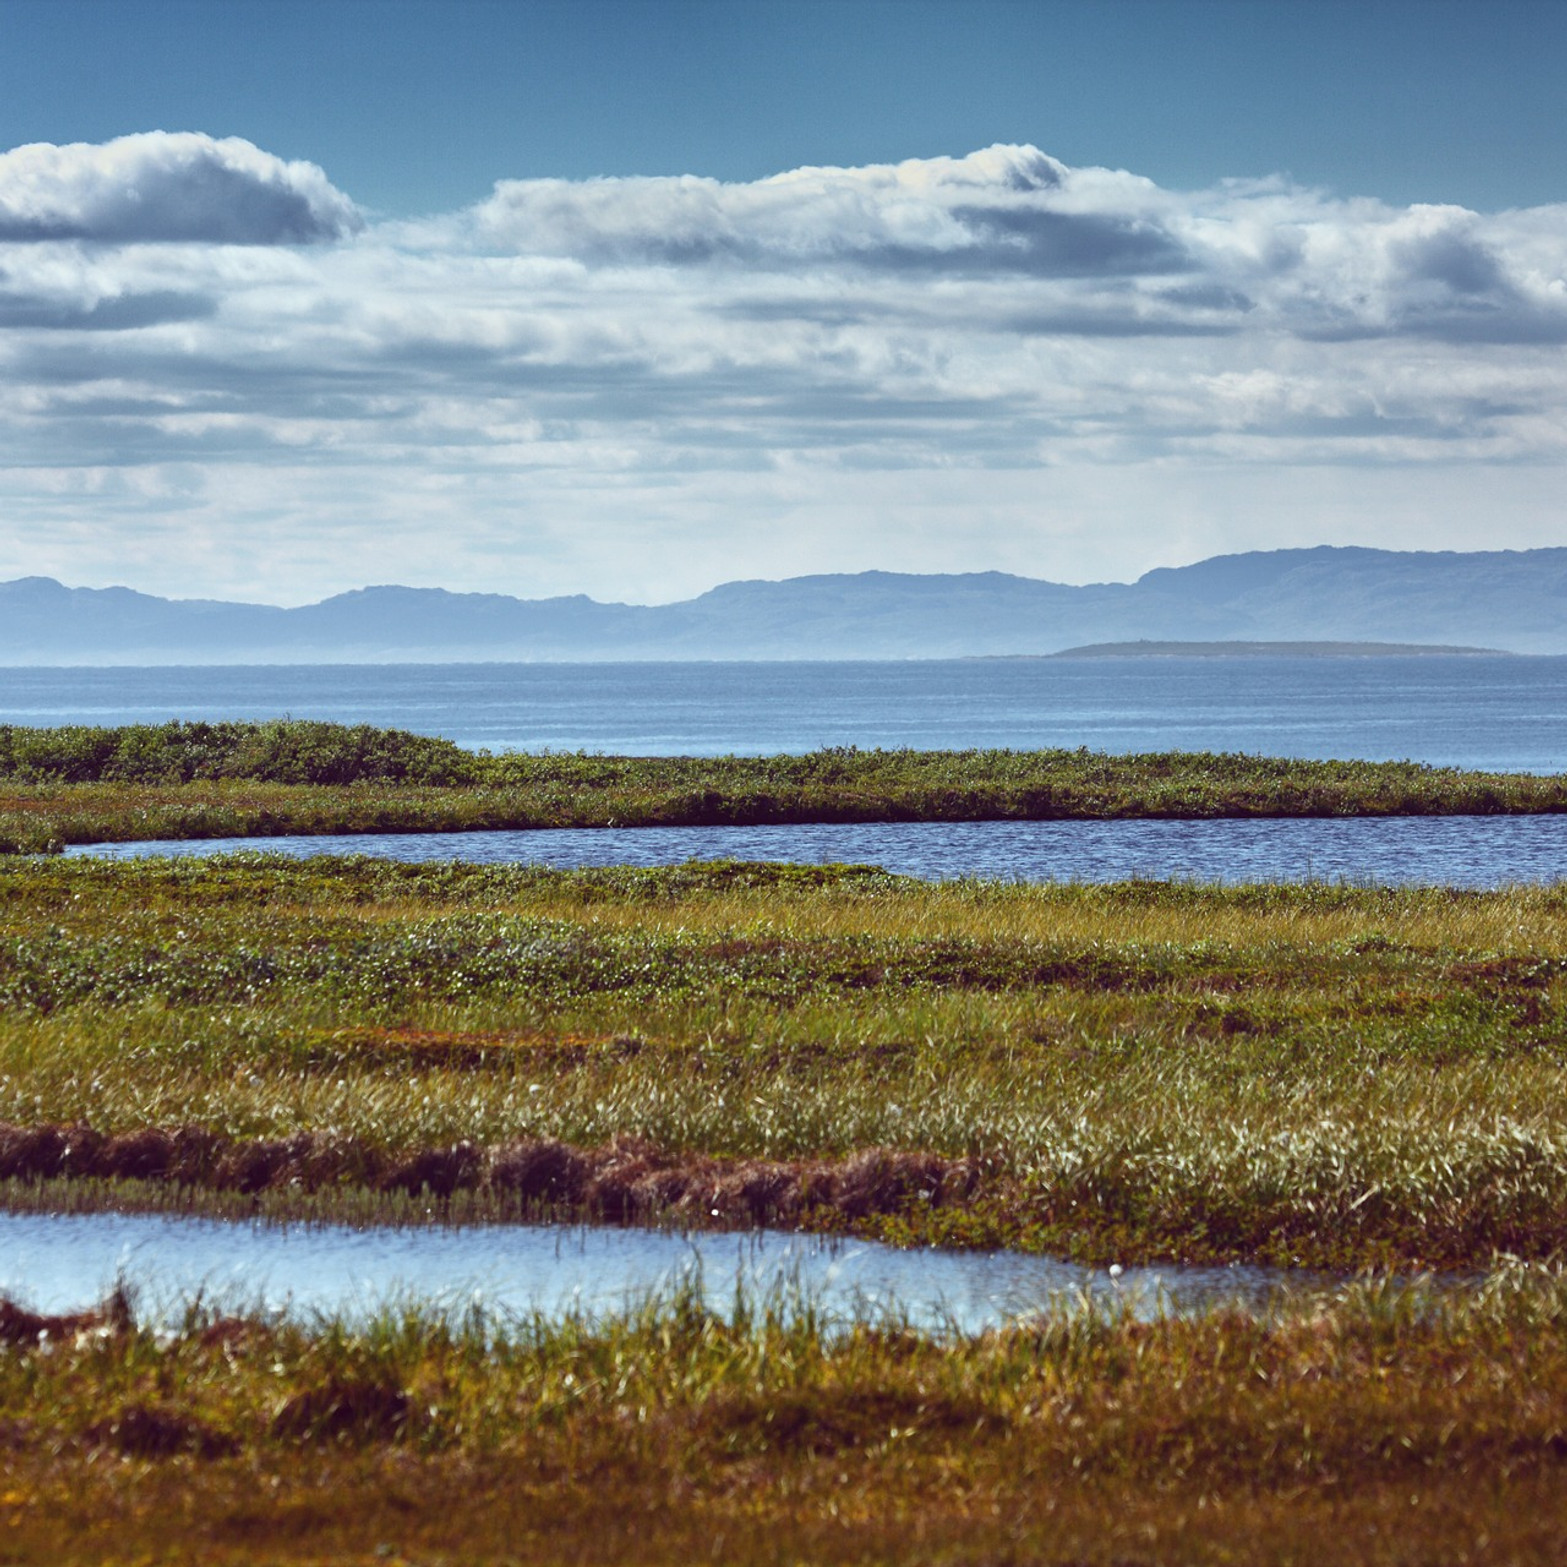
(1515, 600)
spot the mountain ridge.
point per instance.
(1513, 601)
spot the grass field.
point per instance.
(1332, 1076)
(1348, 1078)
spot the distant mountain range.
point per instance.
(1513, 600)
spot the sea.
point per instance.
(1500, 712)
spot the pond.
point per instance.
(1457, 851)
(64, 1262)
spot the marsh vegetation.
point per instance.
(197, 780)
(1331, 1076)
(1343, 1077)
(1388, 1425)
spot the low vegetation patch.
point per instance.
(286, 751)
(1386, 1424)
(197, 780)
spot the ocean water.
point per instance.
(1489, 712)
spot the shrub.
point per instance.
(291, 751)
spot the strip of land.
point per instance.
(1326, 1076)
(76, 786)
(1144, 648)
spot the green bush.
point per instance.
(280, 751)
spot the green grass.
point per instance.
(1326, 1075)
(66, 786)
(1386, 1425)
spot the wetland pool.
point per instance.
(1452, 851)
(64, 1262)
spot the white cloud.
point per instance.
(159, 186)
(1004, 209)
(635, 387)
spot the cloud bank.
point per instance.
(212, 365)
(1004, 210)
(1180, 262)
(170, 188)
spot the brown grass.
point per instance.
(625, 1180)
(906, 1197)
(1379, 1428)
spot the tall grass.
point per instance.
(288, 751)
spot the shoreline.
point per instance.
(195, 781)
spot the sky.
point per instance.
(632, 297)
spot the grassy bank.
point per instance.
(64, 786)
(1386, 1426)
(1331, 1076)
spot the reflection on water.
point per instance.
(62, 1262)
(1457, 851)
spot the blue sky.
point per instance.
(420, 105)
(526, 296)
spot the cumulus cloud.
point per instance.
(1007, 209)
(166, 187)
(575, 384)
(1188, 263)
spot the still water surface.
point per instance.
(1489, 712)
(1458, 851)
(60, 1263)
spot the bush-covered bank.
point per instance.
(288, 751)
(1387, 1425)
(83, 785)
(1330, 1076)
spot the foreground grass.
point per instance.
(1387, 1425)
(1330, 1076)
(65, 786)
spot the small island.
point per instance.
(1149, 649)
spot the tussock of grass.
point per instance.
(1388, 1424)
